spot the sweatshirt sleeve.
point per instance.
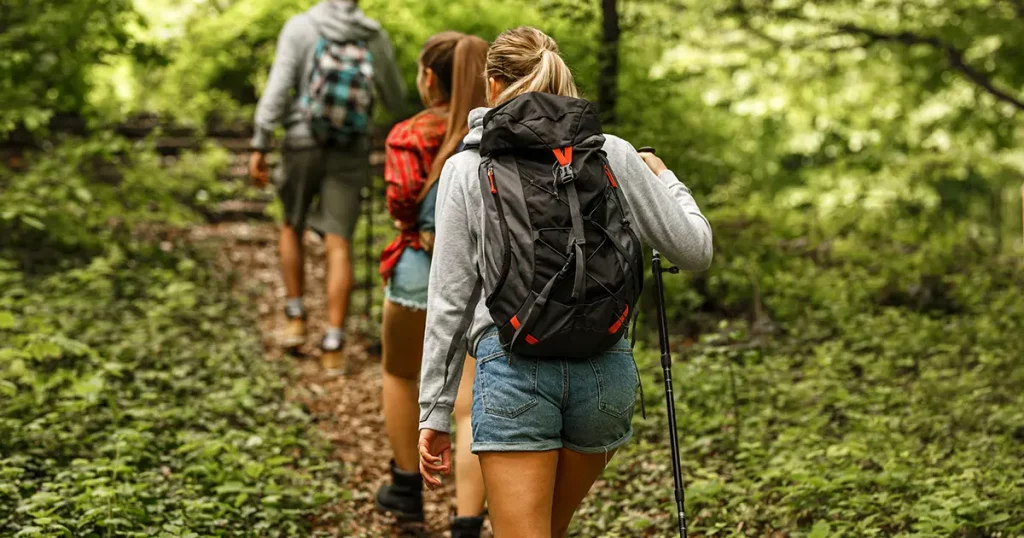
(667, 216)
(388, 78)
(452, 276)
(283, 79)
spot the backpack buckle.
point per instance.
(565, 174)
(563, 169)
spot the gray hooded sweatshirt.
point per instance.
(336, 20)
(666, 217)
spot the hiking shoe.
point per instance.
(403, 497)
(294, 334)
(467, 527)
(332, 358)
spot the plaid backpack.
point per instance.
(339, 97)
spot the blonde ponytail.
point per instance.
(527, 60)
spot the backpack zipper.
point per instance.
(506, 259)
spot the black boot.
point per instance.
(467, 527)
(403, 497)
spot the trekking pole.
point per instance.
(666, 366)
(670, 401)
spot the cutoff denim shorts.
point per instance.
(408, 284)
(524, 404)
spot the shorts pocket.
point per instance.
(616, 382)
(508, 388)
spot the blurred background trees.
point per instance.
(860, 161)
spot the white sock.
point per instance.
(334, 338)
(293, 307)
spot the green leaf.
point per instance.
(7, 320)
(821, 529)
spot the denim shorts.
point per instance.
(408, 283)
(524, 404)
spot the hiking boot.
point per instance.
(294, 333)
(467, 527)
(333, 362)
(332, 358)
(403, 497)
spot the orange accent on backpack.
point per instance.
(515, 325)
(618, 324)
(611, 178)
(564, 156)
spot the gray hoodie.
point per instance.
(336, 20)
(666, 217)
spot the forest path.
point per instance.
(346, 408)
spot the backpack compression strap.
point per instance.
(567, 176)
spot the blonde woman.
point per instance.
(543, 427)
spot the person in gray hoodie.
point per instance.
(308, 170)
(544, 429)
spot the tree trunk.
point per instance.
(608, 79)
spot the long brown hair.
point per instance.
(458, 62)
(527, 60)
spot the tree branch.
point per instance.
(954, 56)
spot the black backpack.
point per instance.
(562, 267)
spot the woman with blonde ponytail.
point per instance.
(538, 296)
(450, 82)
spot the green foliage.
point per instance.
(857, 365)
(875, 421)
(50, 49)
(85, 193)
(136, 402)
(134, 396)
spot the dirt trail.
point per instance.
(346, 408)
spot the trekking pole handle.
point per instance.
(647, 149)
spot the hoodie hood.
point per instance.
(476, 126)
(342, 20)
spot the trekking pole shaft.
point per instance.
(666, 365)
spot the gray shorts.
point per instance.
(321, 187)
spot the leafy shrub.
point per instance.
(136, 402)
(86, 192)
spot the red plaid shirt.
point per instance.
(410, 150)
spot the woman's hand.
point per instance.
(653, 162)
(258, 169)
(435, 456)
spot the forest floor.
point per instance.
(346, 408)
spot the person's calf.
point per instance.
(292, 266)
(339, 278)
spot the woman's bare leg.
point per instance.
(469, 481)
(402, 350)
(520, 487)
(576, 474)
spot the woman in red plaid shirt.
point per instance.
(450, 82)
